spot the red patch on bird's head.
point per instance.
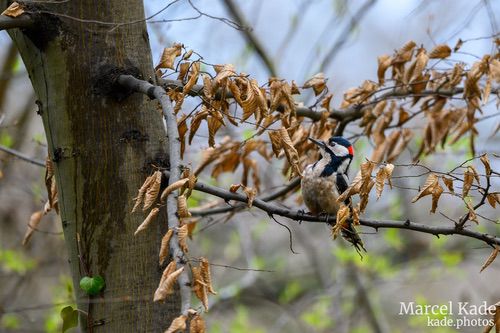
(351, 150)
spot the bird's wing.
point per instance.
(342, 185)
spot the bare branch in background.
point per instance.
(22, 156)
(345, 34)
(250, 36)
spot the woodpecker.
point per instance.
(324, 181)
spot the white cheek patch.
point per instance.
(340, 150)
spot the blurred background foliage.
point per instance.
(326, 287)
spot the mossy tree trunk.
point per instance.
(103, 148)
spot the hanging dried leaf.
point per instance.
(441, 51)
(151, 216)
(34, 221)
(384, 62)
(342, 215)
(178, 324)
(275, 137)
(223, 72)
(291, 153)
(182, 208)
(215, 121)
(472, 212)
(449, 183)
(152, 191)
(197, 324)
(166, 286)
(317, 82)
(205, 273)
(251, 194)
(355, 215)
(383, 174)
(195, 73)
(172, 187)
(199, 287)
(491, 258)
(486, 162)
(142, 192)
(493, 199)
(182, 235)
(468, 179)
(168, 56)
(165, 246)
(428, 188)
(436, 194)
(14, 10)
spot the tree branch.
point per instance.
(250, 36)
(23, 21)
(273, 209)
(159, 93)
(22, 156)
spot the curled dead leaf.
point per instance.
(34, 221)
(205, 274)
(151, 216)
(152, 191)
(178, 324)
(428, 188)
(251, 194)
(491, 258)
(317, 82)
(168, 56)
(172, 187)
(197, 324)
(165, 246)
(182, 235)
(142, 192)
(166, 286)
(14, 10)
(440, 51)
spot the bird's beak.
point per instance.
(321, 144)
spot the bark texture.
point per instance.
(103, 143)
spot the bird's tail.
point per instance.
(350, 234)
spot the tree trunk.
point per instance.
(103, 147)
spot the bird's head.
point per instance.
(336, 145)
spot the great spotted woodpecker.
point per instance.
(324, 181)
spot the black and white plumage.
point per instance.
(324, 181)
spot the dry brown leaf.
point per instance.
(251, 194)
(355, 215)
(182, 208)
(491, 258)
(205, 273)
(151, 216)
(275, 137)
(178, 324)
(168, 56)
(472, 212)
(214, 121)
(197, 324)
(195, 73)
(142, 192)
(152, 191)
(341, 223)
(317, 82)
(223, 72)
(182, 235)
(458, 45)
(436, 194)
(430, 184)
(384, 62)
(440, 51)
(172, 187)
(449, 183)
(14, 10)
(199, 287)
(486, 162)
(234, 188)
(34, 221)
(291, 153)
(165, 246)
(468, 179)
(166, 286)
(492, 199)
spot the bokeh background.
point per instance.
(325, 287)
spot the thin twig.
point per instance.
(250, 36)
(22, 156)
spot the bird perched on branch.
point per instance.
(324, 181)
